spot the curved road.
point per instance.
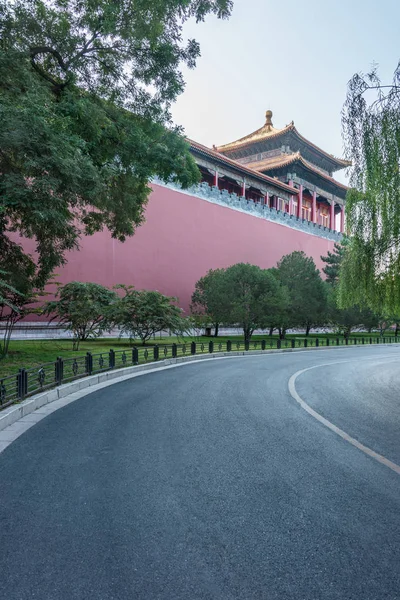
(209, 481)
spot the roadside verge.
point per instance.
(19, 417)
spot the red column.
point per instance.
(291, 184)
(300, 202)
(244, 188)
(266, 199)
(314, 208)
(342, 220)
(332, 219)
(216, 178)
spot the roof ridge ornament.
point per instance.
(268, 120)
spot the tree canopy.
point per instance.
(128, 52)
(253, 297)
(349, 317)
(333, 262)
(243, 295)
(371, 124)
(18, 290)
(81, 308)
(208, 297)
(143, 313)
(85, 92)
(306, 292)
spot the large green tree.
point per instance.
(371, 122)
(143, 313)
(252, 298)
(349, 317)
(18, 292)
(208, 297)
(85, 92)
(333, 262)
(82, 308)
(307, 302)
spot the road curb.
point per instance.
(88, 385)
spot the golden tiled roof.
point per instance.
(284, 160)
(268, 131)
(243, 168)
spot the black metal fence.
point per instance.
(37, 379)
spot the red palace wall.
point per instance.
(183, 237)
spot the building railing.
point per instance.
(27, 382)
(256, 209)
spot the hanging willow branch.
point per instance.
(370, 273)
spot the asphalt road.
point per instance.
(209, 481)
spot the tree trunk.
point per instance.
(282, 333)
(271, 331)
(308, 330)
(396, 331)
(346, 332)
(7, 337)
(247, 334)
(216, 329)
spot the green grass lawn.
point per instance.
(33, 353)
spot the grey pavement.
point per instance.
(208, 481)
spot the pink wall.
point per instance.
(182, 239)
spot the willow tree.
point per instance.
(370, 272)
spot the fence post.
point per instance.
(362, 341)
(327, 341)
(278, 344)
(305, 342)
(370, 340)
(22, 384)
(56, 373)
(355, 341)
(347, 341)
(156, 352)
(59, 368)
(135, 356)
(293, 343)
(228, 346)
(193, 347)
(263, 344)
(316, 342)
(246, 346)
(211, 347)
(18, 384)
(111, 359)
(174, 350)
(89, 363)
(337, 342)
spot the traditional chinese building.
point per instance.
(261, 197)
(289, 157)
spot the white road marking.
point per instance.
(293, 392)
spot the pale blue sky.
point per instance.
(293, 57)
